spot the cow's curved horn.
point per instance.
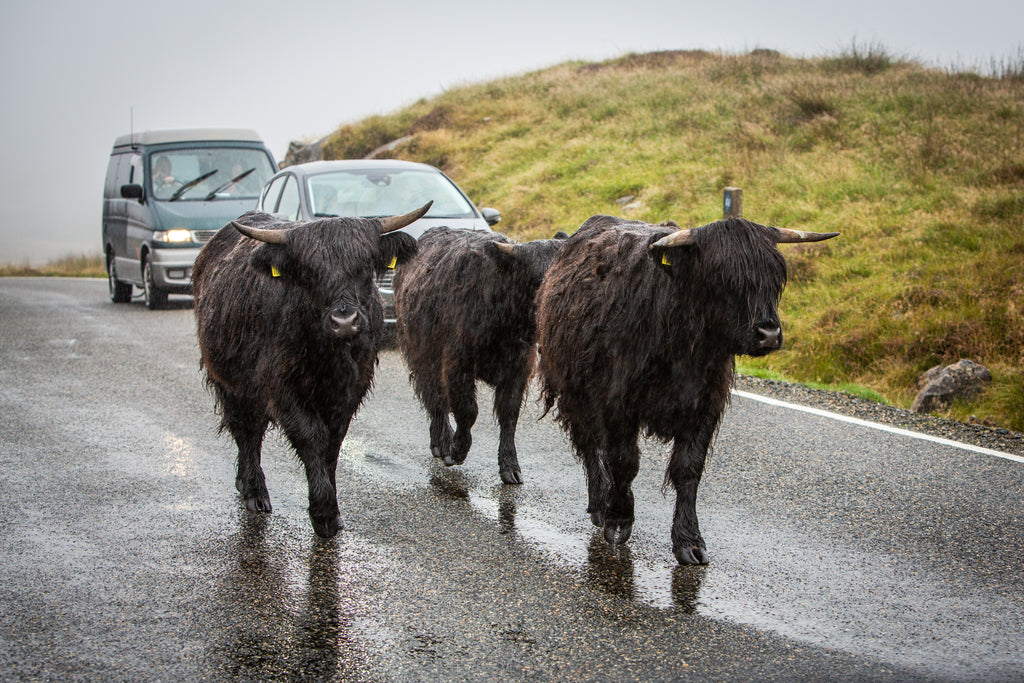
(261, 234)
(506, 248)
(392, 223)
(787, 236)
(677, 239)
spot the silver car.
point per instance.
(372, 187)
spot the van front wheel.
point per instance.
(156, 298)
(120, 292)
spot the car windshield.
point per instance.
(366, 193)
(208, 173)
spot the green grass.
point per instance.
(920, 169)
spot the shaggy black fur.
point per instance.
(297, 349)
(638, 338)
(465, 312)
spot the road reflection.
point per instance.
(449, 483)
(287, 614)
(686, 583)
(610, 567)
(506, 509)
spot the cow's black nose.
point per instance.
(769, 338)
(345, 322)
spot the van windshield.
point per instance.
(208, 173)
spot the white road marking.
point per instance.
(880, 427)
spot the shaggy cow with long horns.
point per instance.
(639, 326)
(289, 321)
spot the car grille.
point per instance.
(385, 281)
(203, 236)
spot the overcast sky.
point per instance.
(73, 71)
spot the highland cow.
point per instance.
(639, 326)
(465, 312)
(289, 321)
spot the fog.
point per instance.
(76, 75)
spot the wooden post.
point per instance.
(732, 203)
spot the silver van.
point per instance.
(166, 193)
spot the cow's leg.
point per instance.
(586, 447)
(321, 471)
(685, 468)
(508, 400)
(622, 461)
(435, 400)
(440, 433)
(247, 423)
(461, 384)
(317, 447)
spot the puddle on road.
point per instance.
(775, 578)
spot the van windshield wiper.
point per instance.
(189, 185)
(234, 180)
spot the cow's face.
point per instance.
(331, 264)
(734, 276)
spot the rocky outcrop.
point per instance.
(301, 152)
(940, 386)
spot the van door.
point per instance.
(138, 220)
(115, 210)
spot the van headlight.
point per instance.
(176, 235)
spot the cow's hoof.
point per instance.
(455, 459)
(623, 528)
(327, 528)
(511, 477)
(691, 555)
(437, 451)
(258, 504)
(597, 518)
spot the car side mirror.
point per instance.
(132, 191)
(492, 216)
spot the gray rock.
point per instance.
(301, 152)
(940, 386)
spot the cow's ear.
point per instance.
(667, 257)
(503, 255)
(395, 248)
(271, 260)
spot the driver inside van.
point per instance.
(162, 178)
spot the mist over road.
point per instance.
(838, 552)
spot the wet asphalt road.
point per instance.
(837, 552)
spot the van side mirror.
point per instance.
(132, 191)
(492, 216)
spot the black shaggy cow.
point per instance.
(639, 326)
(289, 321)
(465, 312)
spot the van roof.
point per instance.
(154, 137)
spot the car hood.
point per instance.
(424, 224)
(211, 215)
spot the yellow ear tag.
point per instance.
(394, 262)
(274, 271)
(664, 259)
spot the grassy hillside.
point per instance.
(922, 170)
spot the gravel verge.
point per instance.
(843, 403)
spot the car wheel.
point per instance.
(120, 292)
(155, 297)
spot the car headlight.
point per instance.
(176, 235)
